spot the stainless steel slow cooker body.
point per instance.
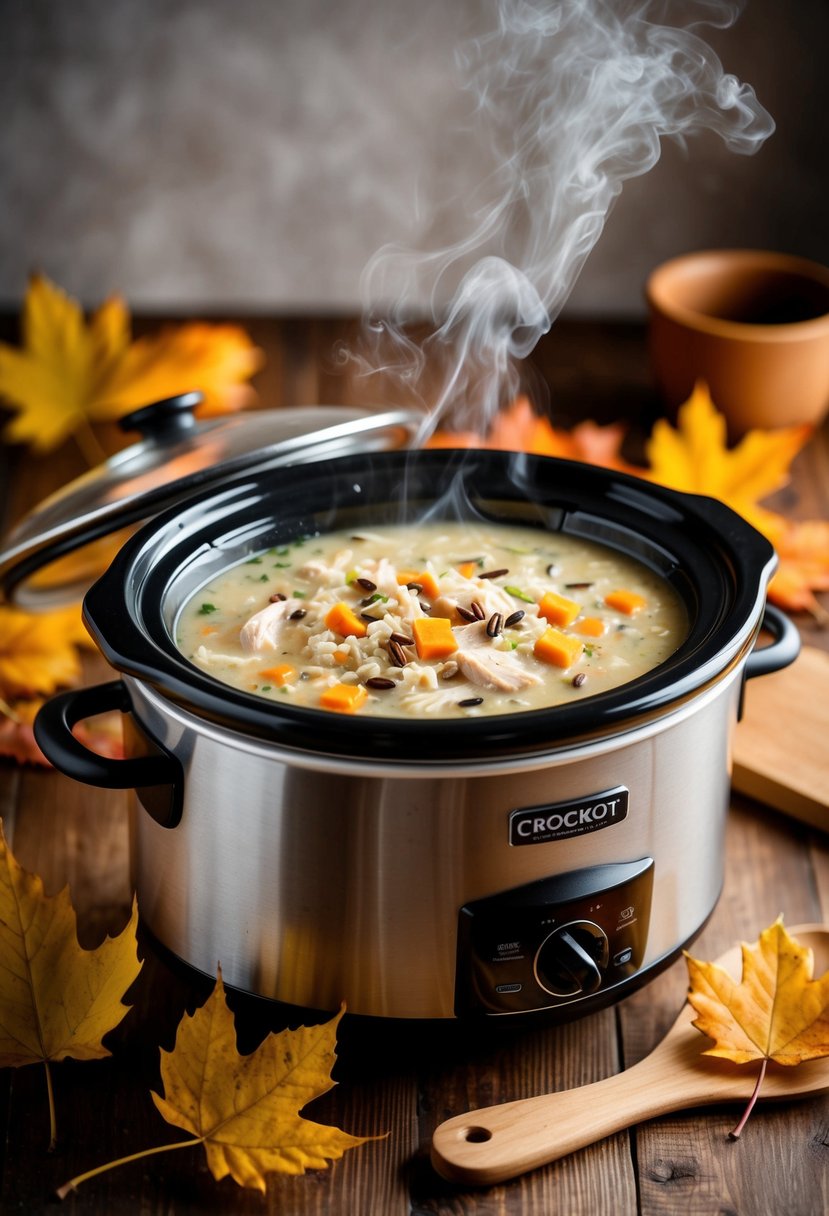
(546, 861)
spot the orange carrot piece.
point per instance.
(207, 630)
(424, 579)
(284, 673)
(344, 698)
(625, 601)
(557, 609)
(557, 648)
(433, 637)
(343, 620)
(467, 569)
(590, 627)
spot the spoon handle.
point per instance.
(494, 1143)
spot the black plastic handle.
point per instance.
(781, 652)
(157, 770)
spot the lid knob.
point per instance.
(164, 420)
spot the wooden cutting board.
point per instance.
(781, 747)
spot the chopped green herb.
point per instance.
(588, 650)
(254, 561)
(377, 598)
(519, 594)
(298, 595)
(206, 609)
(266, 688)
(281, 551)
(282, 565)
(263, 578)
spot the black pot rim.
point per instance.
(717, 562)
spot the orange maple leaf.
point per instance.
(519, 429)
(777, 1011)
(71, 372)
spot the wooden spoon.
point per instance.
(498, 1142)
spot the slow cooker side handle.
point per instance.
(781, 652)
(157, 776)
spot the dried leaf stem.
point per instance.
(736, 1133)
(53, 1121)
(74, 1183)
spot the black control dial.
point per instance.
(571, 959)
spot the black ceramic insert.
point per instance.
(718, 564)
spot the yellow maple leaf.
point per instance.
(38, 651)
(245, 1109)
(56, 999)
(695, 457)
(71, 372)
(776, 1012)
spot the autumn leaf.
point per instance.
(519, 429)
(71, 373)
(56, 999)
(694, 456)
(776, 1012)
(245, 1109)
(38, 651)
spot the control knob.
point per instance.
(570, 959)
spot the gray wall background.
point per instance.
(210, 156)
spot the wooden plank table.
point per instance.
(405, 1079)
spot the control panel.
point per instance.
(553, 941)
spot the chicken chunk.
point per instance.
(482, 664)
(264, 630)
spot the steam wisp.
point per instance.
(570, 98)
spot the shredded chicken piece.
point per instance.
(330, 572)
(484, 665)
(265, 628)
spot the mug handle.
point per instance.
(781, 652)
(156, 776)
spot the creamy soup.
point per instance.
(438, 619)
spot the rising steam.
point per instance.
(572, 98)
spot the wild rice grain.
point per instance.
(494, 625)
(298, 614)
(578, 586)
(470, 701)
(277, 598)
(514, 618)
(396, 654)
(579, 679)
(477, 610)
(379, 682)
(401, 639)
(465, 614)
(493, 573)
(366, 584)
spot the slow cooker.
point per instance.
(537, 863)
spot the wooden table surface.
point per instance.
(405, 1079)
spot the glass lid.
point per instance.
(54, 553)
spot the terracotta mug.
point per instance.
(753, 325)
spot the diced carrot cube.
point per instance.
(557, 609)
(466, 569)
(590, 627)
(557, 648)
(343, 620)
(424, 579)
(344, 698)
(433, 637)
(284, 673)
(207, 630)
(625, 601)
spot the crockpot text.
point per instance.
(560, 820)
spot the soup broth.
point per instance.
(439, 619)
